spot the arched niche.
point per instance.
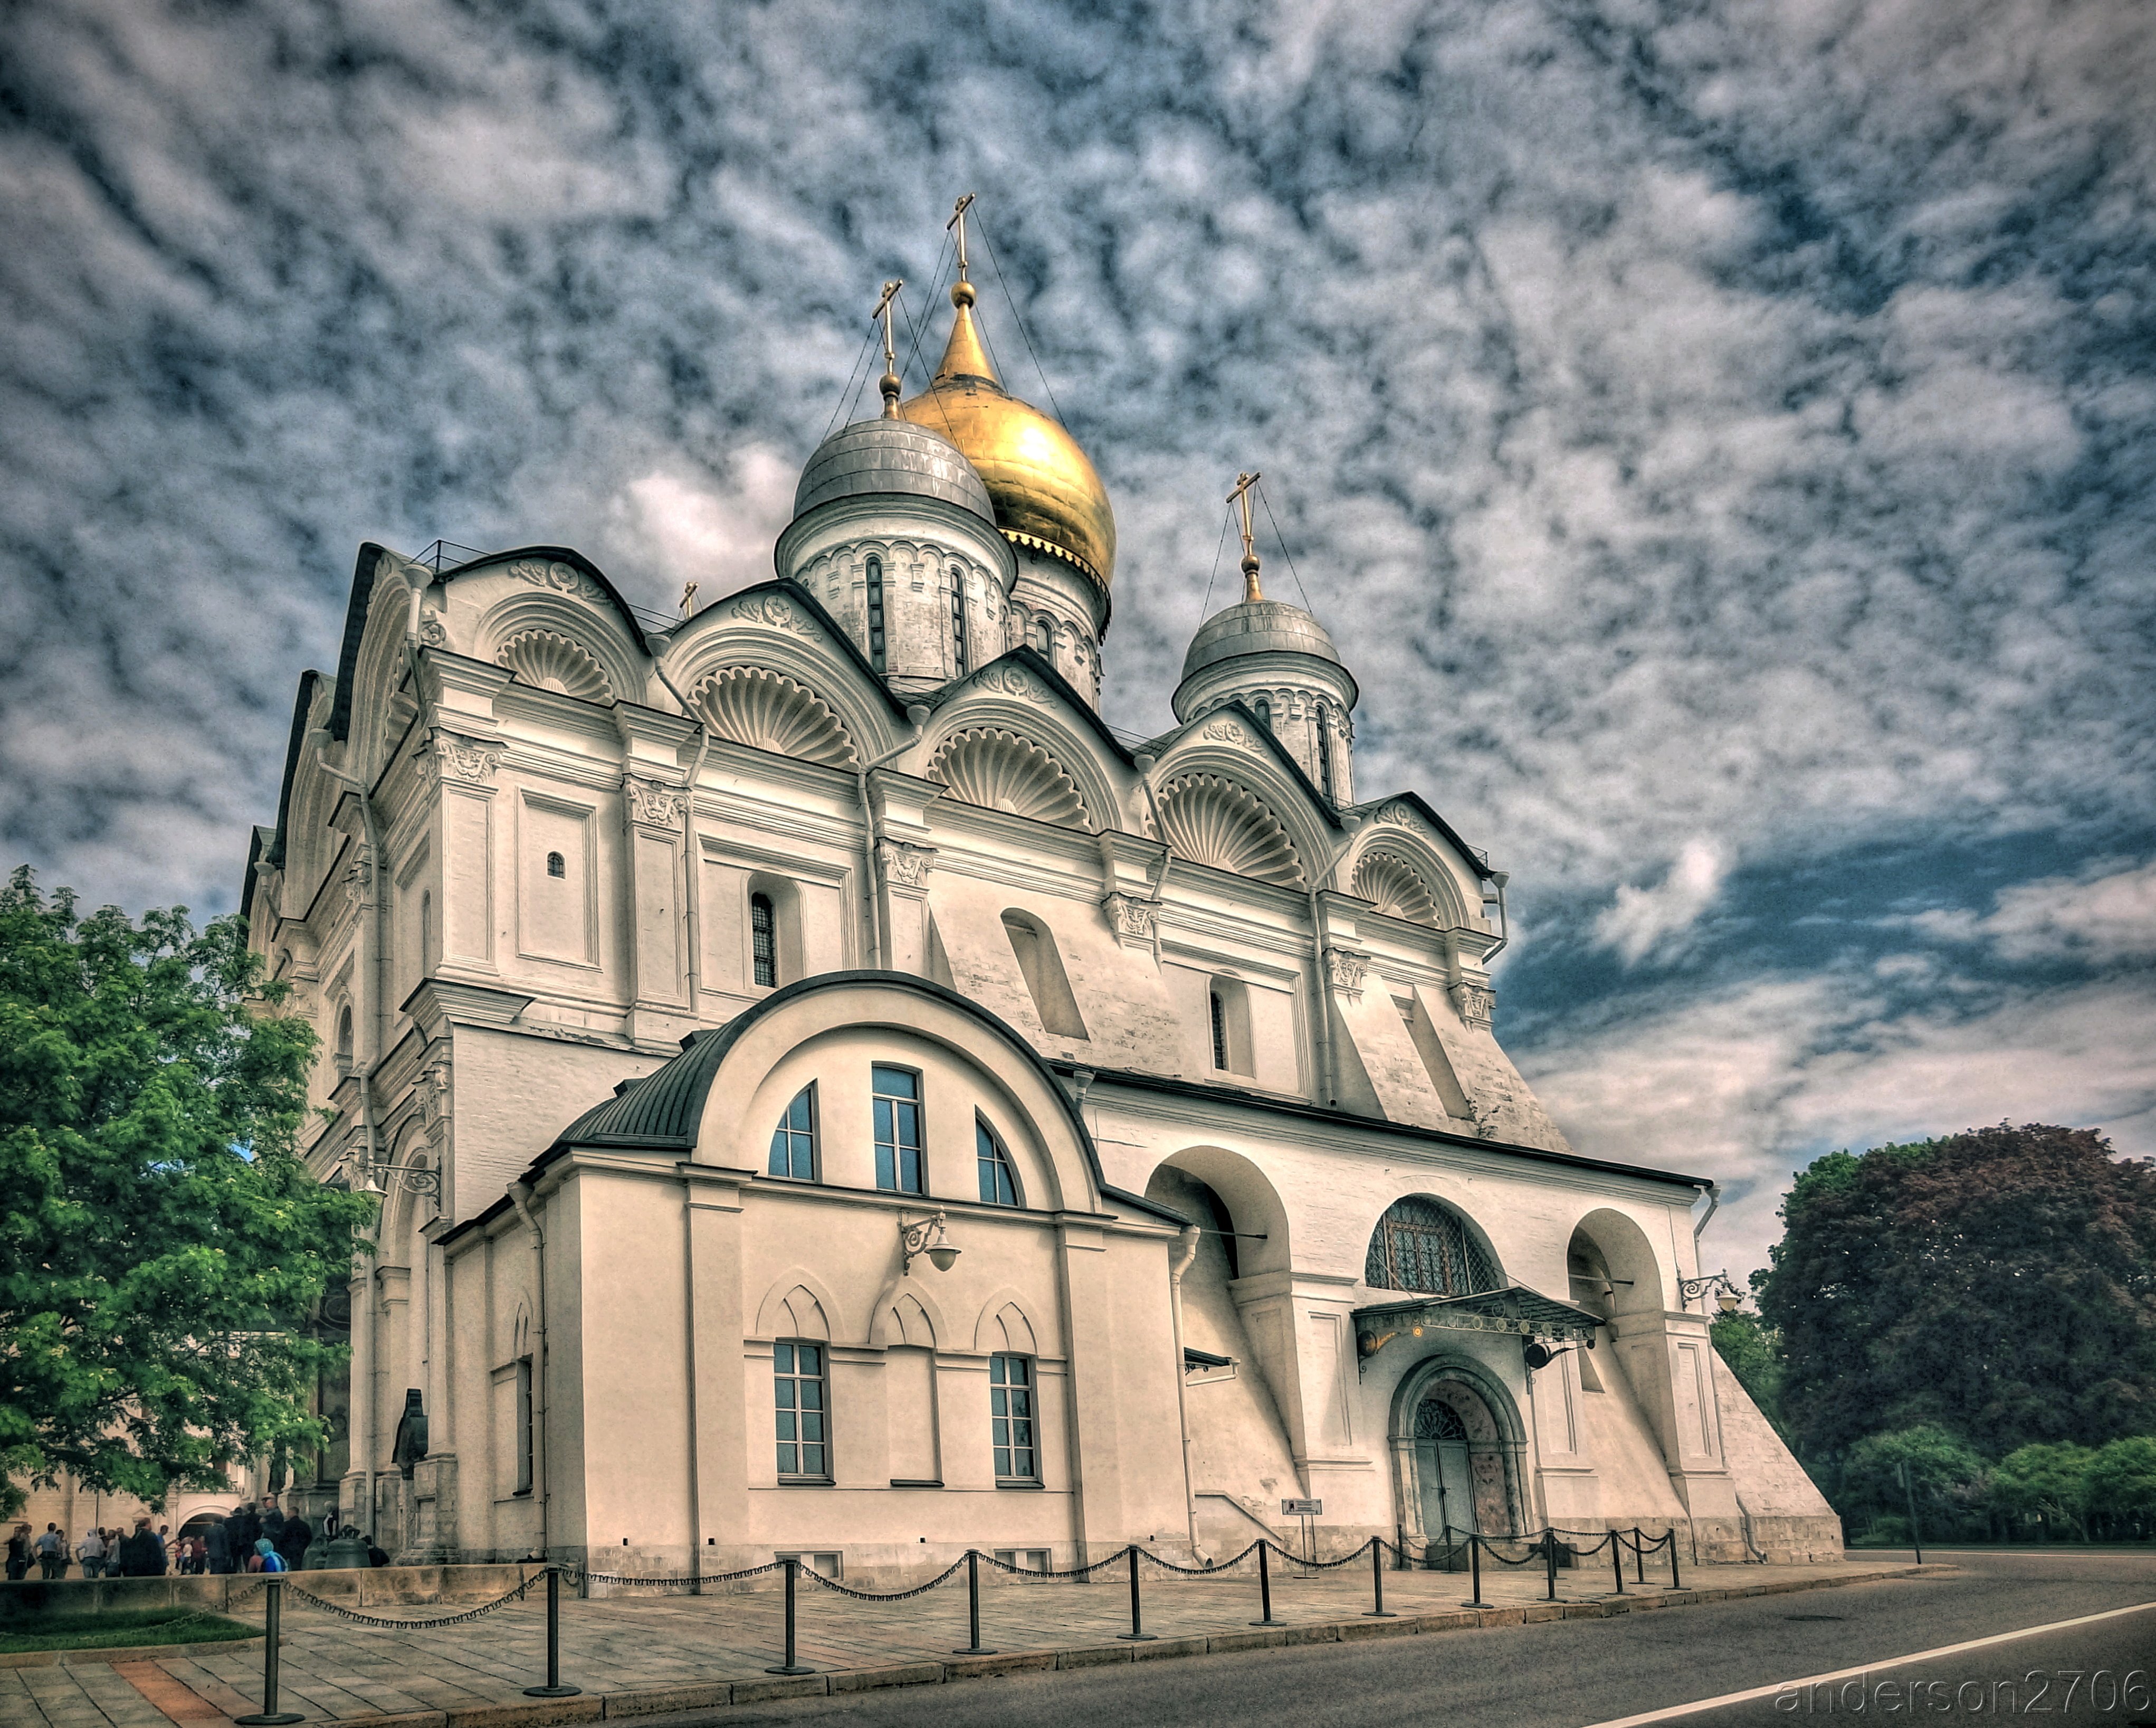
(552, 640)
(1613, 1268)
(1449, 1404)
(1423, 1245)
(1246, 1195)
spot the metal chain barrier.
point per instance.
(1207, 1572)
(1083, 1571)
(833, 1584)
(398, 1624)
(586, 1577)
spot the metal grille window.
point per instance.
(804, 1443)
(1219, 1010)
(1010, 1406)
(958, 617)
(875, 612)
(1325, 749)
(794, 1141)
(1423, 1245)
(558, 867)
(998, 1184)
(762, 939)
(897, 1094)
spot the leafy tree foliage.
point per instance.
(1753, 1352)
(2120, 1489)
(2000, 1283)
(2050, 1481)
(161, 1246)
(1944, 1472)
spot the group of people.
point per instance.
(255, 1538)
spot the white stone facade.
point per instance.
(1217, 1022)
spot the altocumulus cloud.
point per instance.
(1717, 435)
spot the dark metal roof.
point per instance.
(1474, 855)
(883, 457)
(1515, 1309)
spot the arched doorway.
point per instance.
(1460, 1446)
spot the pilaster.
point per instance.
(659, 989)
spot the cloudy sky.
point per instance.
(1719, 434)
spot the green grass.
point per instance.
(119, 1630)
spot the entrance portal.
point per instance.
(1460, 1462)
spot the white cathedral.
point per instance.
(834, 1097)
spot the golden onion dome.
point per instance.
(1046, 494)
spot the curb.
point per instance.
(127, 1653)
(705, 1695)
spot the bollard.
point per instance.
(1617, 1559)
(1137, 1634)
(1378, 1582)
(1676, 1583)
(553, 1687)
(269, 1717)
(1475, 1567)
(790, 1666)
(973, 1606)
(1265, 1588)
(1549, 1552)
(1638, 1558)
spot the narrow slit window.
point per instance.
(762, 939)
(1010, 1411)
(1325, 749)
(558, 867)
(897, 1097)
(1219, 1012)
(998, 1181)
(1265, 712)
(875, 612)
(958, 619)
(804, 1441)
(794, 1141)
(525, 1429)
(1044, 638)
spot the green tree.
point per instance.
(161, 1245)
(2045, 1481)
(2121, 1485)
(1752, 1349)
(1947, 1478)
(2000, 1283)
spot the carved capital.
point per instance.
(1344, 969)
(902, 864)
(359, 879)
(654, 804)
(1477, 1003)
(457, 758)
(1131, 918)
(433, 1089)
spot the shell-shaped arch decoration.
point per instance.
(999, 771)
(547, 659)
(1394, 886)
(1212, 821)
(768, 711)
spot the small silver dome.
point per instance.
(1257, 627)
(883, 456)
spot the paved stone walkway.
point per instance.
(650, 1654)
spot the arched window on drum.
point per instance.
(1423, 1245)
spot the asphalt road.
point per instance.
(1577, 1673)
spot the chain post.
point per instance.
(1549, 1552)
(1475, 1567)
(1378, 1582)
(790, 1666)
(1638, 1558)
(973, 1606)
(553, 1687)
(1617, 1559)
(273, 1618)
(1137, 1634)
(1265, 1587)
(1675, 1582)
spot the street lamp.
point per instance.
(1726, 1299)
(379, 1179)
(926, 1237)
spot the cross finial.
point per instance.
(1241, 495)
(892, 385)
(962, 290)
(688, 599)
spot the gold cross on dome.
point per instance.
(1241, 495)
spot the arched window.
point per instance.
(958, 619)
(764, 940)
(1220, 1009)
(558, 867)
(1044, 637)
(875, 612)
(1422, 1244)
(344, 1037)
(794, 1141)
(998, 1181)
(1228, 1013)
(1325, 747)
(1264, 709)
(1042, 969)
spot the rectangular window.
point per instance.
(875, 612)
(1031, 1559)
(898, 1098)
(764, 940)
(831, 1565)
(1010, 1406)
(958, 620)
(525, 1437)
(804, 1439)
(794, 1141)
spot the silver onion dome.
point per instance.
(885, 456)
(1257, 627)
